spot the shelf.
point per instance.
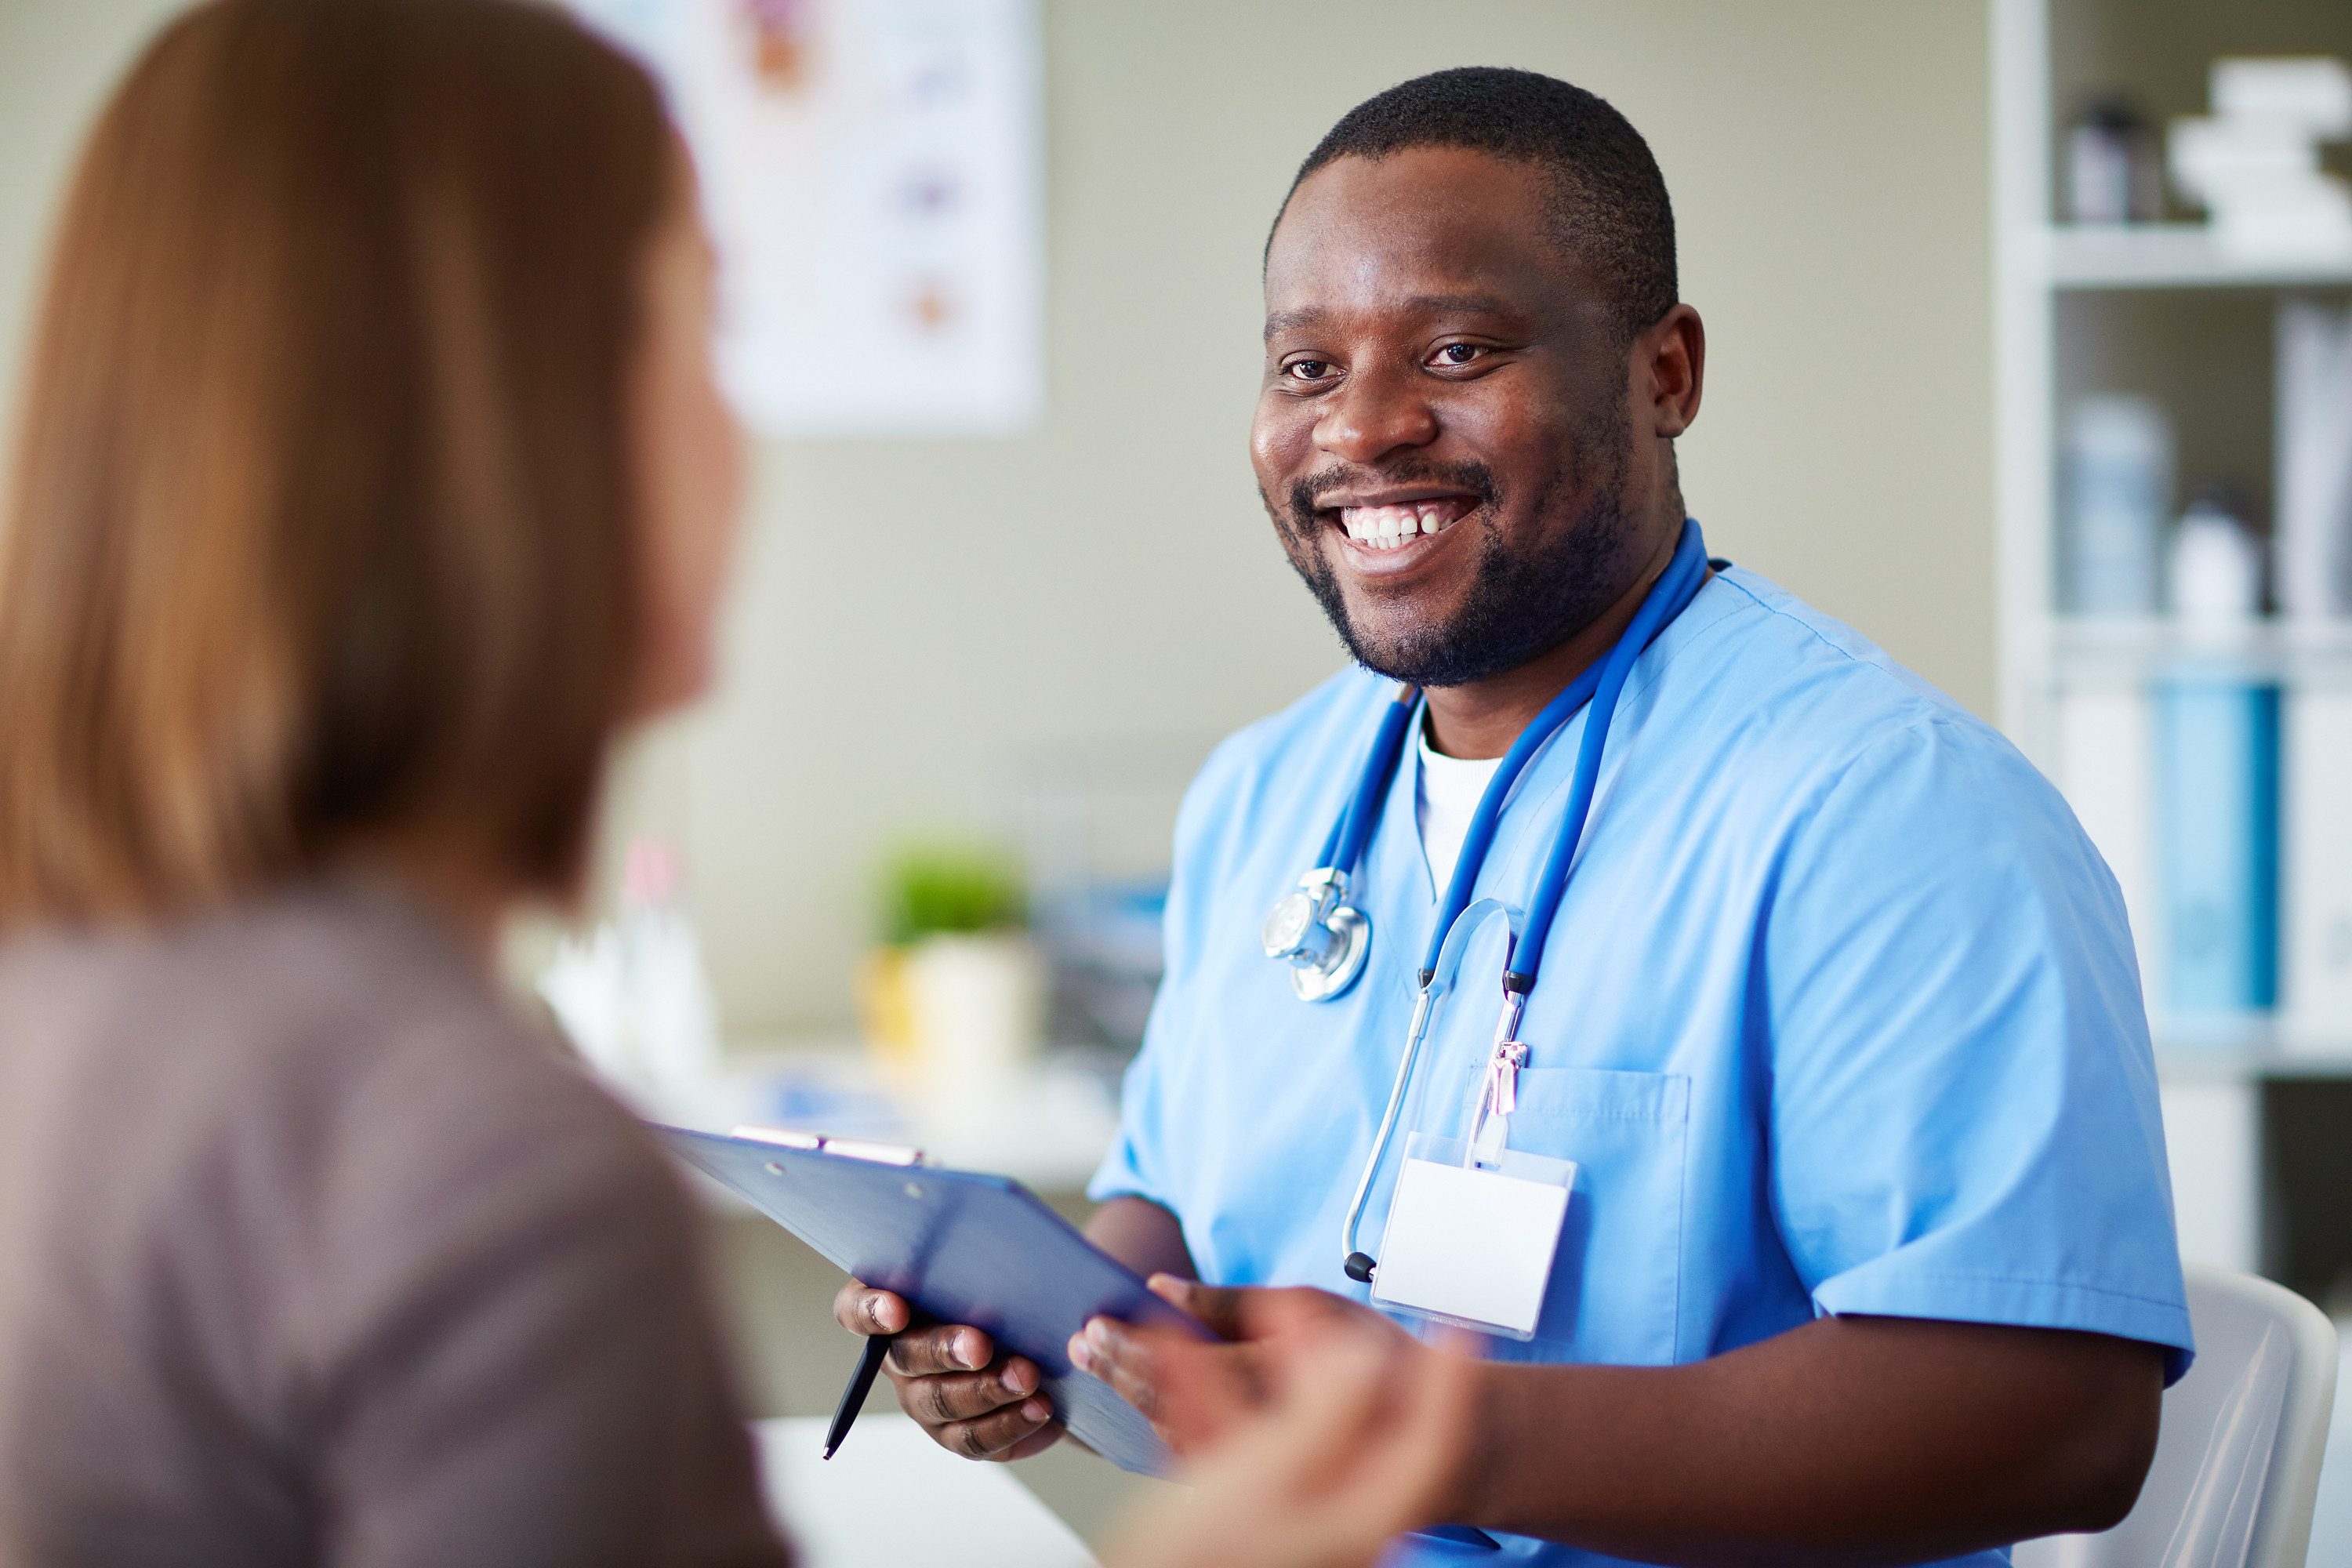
(2261, 1060)
(2086, 653)
(2247, 1050)
(2169, 256)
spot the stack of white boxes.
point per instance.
(2253, 162)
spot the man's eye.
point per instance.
(1307, 369)
(1458, 353)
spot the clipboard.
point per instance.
(962, 1248)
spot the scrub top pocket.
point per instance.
(1616, 1279)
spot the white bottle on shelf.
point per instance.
(2118, 490)
(2216, 571)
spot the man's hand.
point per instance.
(1195, 1393)
(950, 1378)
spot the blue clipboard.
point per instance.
(962, 1248)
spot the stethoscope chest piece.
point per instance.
(1323, 939)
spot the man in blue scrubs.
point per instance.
(1869, 1256)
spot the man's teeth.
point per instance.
(1393, 527)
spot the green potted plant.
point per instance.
(952, 999)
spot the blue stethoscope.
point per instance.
(1325, 939)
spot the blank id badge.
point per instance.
(1472, 1245)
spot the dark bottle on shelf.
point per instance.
(2113, 175)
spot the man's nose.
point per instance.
(1374, 414)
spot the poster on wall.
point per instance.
(872, 175)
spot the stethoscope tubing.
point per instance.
(1424, 1005)
(1344, 845)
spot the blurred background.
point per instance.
(2031, 356)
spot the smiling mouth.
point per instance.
(1395, 524)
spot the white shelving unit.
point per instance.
(2042, 270)
(2036, 262)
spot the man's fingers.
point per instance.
(1037, 1442)
(942, 1398)
(948, 1381)
(862, 1309)
(946, 1347)
(1001, 1435)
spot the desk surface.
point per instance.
(893, 1499)
(1047, 1129)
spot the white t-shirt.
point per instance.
(1443, 801)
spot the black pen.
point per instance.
(861, 1383)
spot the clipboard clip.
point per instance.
(847, 1148)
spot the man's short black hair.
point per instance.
(1610, 210)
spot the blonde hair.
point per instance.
(321, 524)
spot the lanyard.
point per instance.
(1601, 685)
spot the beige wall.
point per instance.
(915, 619)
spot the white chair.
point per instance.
(2237, 1461)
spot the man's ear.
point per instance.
(1671, 357)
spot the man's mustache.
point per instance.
(1305, 494)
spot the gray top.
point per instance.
(313, 1252)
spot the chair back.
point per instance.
(2237, 1460)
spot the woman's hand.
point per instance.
(1335, 1432)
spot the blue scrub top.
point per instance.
(1840, 1015)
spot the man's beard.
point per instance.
(1521, 604)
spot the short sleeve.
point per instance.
(1963, 1108)
(1125, 1170)
(1133, 1168)
(1136, 1165)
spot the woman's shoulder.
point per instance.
(311, 1032)
(327, 1092)
(304, 1191)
